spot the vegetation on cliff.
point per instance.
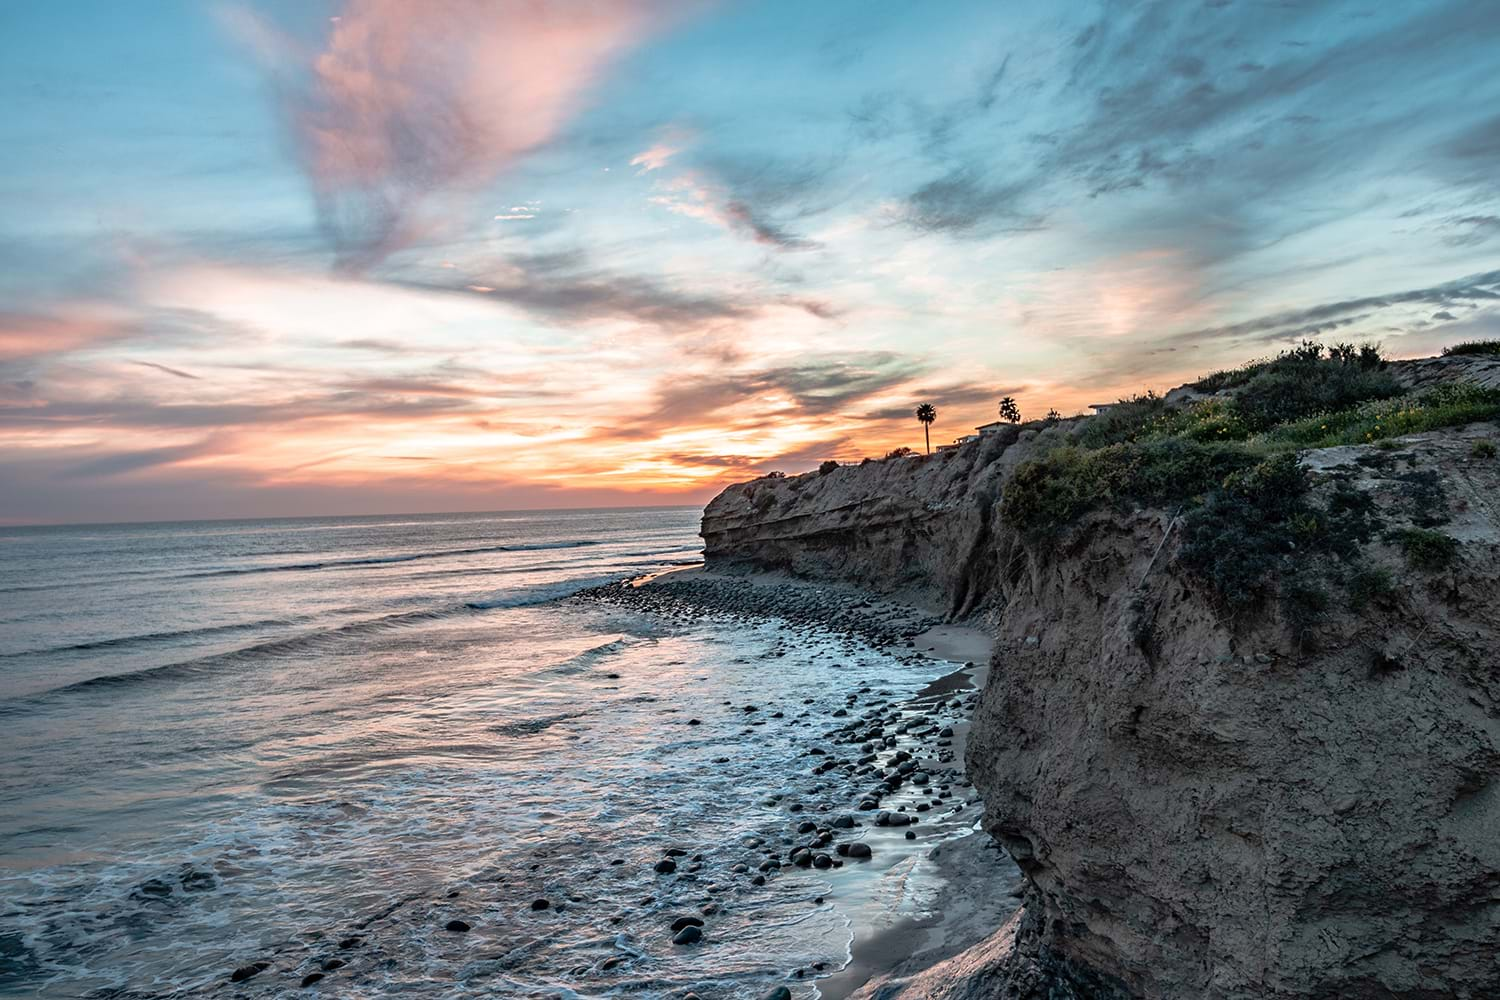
(1255, 524)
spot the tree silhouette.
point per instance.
(927, 413)
(1009, 410)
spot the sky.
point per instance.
(287, 258)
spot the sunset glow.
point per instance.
(284, 258)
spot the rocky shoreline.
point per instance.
(880, 799)
(689, 596)
(900, 763)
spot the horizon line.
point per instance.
(8, 525)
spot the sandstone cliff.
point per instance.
(1299, 799)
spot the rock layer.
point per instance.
(1222, 812)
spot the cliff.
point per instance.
(1223, 775)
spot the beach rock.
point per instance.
(666, 866)
(691, 934)
(310, 978)
(154, 887)
(197, 880)
(244, 972)
(858, 850)
(538, 905)
(779, 993)
(682, 922)
(456, 926)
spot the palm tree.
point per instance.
(1009, 410)
(927, 413)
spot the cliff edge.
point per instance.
(1242, 727)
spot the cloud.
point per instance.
(1475, 229)
(25, 336)
(813, 388)
(408, 100)
(1480, 144)
(958, 397)
(567, 285)
(130, 411)
(163, 368)
(1295, 323)
(693, 195)
(965, 201)
(1213, 113)
(411, 387)
(671, 142)
(119, 463)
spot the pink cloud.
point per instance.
(671, 142)
(406, 99)
(23, 336)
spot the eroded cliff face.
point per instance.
(920, 525)
(1226, 813)
(1205, 805)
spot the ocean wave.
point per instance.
(579, 662)
(271, 649)
(313, 640)
(147, 638)
(386, 560)
(531, 727)
(545, 593)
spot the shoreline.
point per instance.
(958, 914)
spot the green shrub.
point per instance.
(901, 452)
(1426, 549)
(1423, 497)
(1350, 521)
(1127, 420)
(1308, 359)
(1473, 347)
(1287, 392)
(1443, 406)
(1370, 585)
(1482, 449)
(1305, 603)
(1215, 419)
(1242, 533)
(827, 467)
(1047, 494)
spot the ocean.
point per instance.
(312, 743)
